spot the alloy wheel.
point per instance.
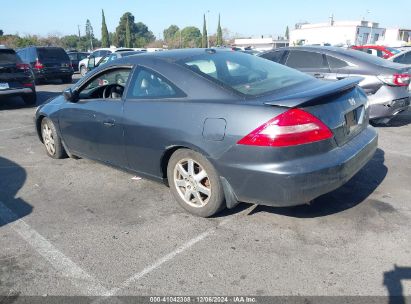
(192, 183)
(48, 139)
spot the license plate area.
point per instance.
(354, 119)
(4, 86)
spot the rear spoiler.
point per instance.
(317, 95)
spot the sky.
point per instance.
(245, 18)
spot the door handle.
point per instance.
(109, 123)
(318, 75)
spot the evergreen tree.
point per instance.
(287, 33)
(89, 33)
(128, 34)
(204, 41)
(105, 42)
(219, 33)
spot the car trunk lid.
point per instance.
(341, 105)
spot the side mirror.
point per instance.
(91, 63)
(70, 95)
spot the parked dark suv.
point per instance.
(16, 77)
(48, 63)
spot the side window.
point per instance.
(399, 59)
(104, 53)
(108, 84)
(96, 54)
(336, 63)
(148, 84)
(32, 55)
(305, 60)
(204, 66)
(274, 56)
(407, 58)
(404, 59)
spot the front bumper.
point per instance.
(301, 180)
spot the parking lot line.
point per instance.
(66, 267)
(170, 256)
(16, 128)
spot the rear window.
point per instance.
(72, 56)
(52, 54)
(249, 75)
(305, 60)
(8, 56)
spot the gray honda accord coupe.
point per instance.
(218, 127)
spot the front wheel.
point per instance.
(195, 183)
(51, 139)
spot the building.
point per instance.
(337, 33)
(260, 44)
(396, 37)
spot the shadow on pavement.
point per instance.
(392, 281)
(400, 120)
(348, 196)
(12, 178)
(16, 102)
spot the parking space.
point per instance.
(76, 227)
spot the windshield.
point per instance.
(8, 56)
(52, 54)
(245, 74)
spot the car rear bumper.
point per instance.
(388, 101)
(299, 181)
(43, 74)
(19, 91)
(389, 109)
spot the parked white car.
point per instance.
(97, 55)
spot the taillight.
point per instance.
(398, 80)
(23, 66)
(38, 65)
(291, 128)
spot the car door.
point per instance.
(144, 143)
(310, 62)
(93, 126)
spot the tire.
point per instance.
(67, 79)
(83, 70)
(30, 99)
(202, 196)
(51, 139)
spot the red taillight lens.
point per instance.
(291, 128)
(38, 65)
(402, 80)
(399, 80)
(23, 66)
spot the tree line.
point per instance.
(128, 33)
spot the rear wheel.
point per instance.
(30, 99)
(51, 139)
(195, 183)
